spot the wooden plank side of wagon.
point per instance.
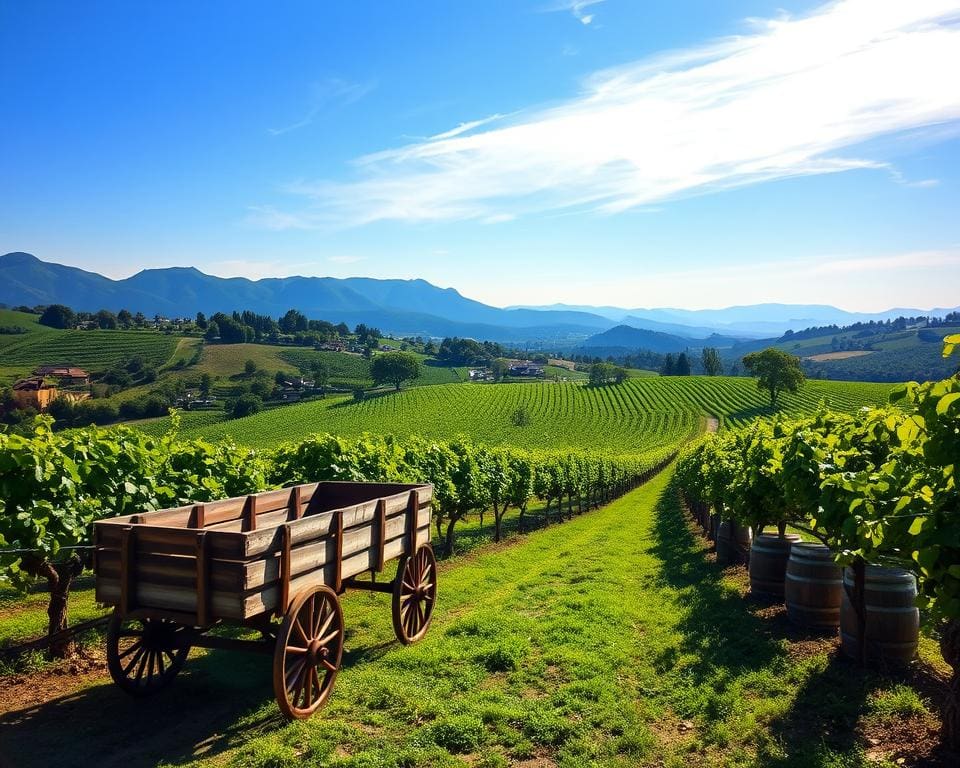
(266, 599)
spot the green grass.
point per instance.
(634, 416)
(610, 640)
(24, 617)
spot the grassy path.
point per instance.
(610, 640)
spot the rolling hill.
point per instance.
(403, 307)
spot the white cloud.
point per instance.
(791, 98)
(577, 8)
(327, 94)
(464, 128)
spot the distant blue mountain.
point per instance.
(406, 307)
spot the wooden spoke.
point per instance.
(308, 652)
(414, 595)
(144, 655)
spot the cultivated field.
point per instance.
(611, 640)
(639, 414)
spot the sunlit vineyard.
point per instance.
(634, 416)
(91, 349)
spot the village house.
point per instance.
(526, 368)
(67, 375)
(36, 392)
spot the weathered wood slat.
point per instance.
(244, 605)
(180, 570)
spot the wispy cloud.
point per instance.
(465, 128)
(577, 7)
(327, 94)
(791, 98)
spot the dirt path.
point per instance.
(713, 423)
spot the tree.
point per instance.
(106, 320)
(245, 405)
(125, 318)
(712, 364)
(293, 321)
(499, 368)
(669, 367)
(250, 367)
(776, 371)
(394, 368)
(321, 375)
(206, 384)
(201, 321)
(683, 365)
(213, 331)
(58, 316)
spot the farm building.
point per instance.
(526, 369)
(67, 374)
(36, 392)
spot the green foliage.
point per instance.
(633, 417)
(53, 485)
(879, 486)
(394, 368)
(776, 371)
(606, 373)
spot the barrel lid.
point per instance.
(812, 549)
(775, 541)
(883, 574)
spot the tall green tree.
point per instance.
(712, 364)
(58, 316)
(683, 365)
(776, 371)
(394, 368)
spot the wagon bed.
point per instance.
(173, 574)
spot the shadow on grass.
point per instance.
(719, 629)
(732, 636)
(215, 704)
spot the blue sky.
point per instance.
(695, 154)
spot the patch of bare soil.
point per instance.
(59, 678)
(909, 741)
(827, 356)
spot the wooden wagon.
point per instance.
(175, 574)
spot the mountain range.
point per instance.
(408, 307)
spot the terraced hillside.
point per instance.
(634, 416)
(20, 353)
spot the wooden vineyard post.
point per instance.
(197, 516)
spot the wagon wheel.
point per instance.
(144, 655)
(414, 595)
(308, 652)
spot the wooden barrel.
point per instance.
(892, 619)
(768, 563)
(813, 587)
